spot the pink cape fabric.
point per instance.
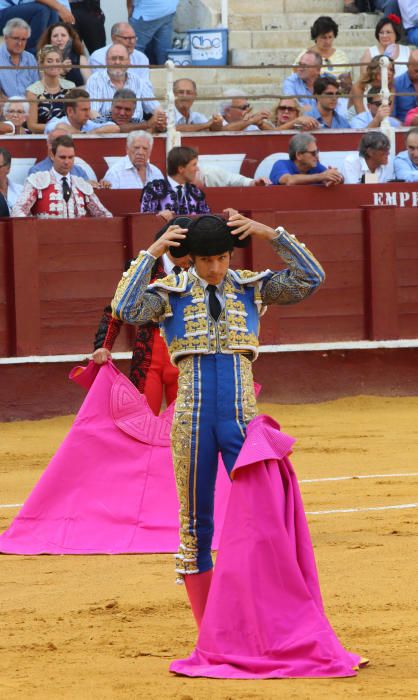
(264, 616)
(110, 487)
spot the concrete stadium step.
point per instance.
(265, 57)
(318, 7)
(274, 20)
(280, 39)
(304, 20)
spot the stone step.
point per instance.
(214, 80)
(296, 40)
(305, 20)
(265, 57)
(267, 20)
(318, 7)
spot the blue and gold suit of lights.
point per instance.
(215, 400)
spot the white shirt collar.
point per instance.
(167, 264)
(173, 184)
(59, 177)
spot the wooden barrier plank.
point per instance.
(6, 292)
(381, 273)
(25, 235)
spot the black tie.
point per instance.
(176, 269)
(214, 303)
(66, 189)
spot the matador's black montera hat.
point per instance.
(207, 235)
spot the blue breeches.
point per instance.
(215, 402)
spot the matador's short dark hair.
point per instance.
(179, 156)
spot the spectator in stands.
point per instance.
(237, 113)
(300, 83)
(288, 114)
(77, 113)
(388, 35)
(325, 113)
(409, 14)
(185, 93)
(9, 189)
(372, 78)
(303, 166)
(56, 193)
(411, 118)
(375, 113)
(373, 158)
(405, 164)
(12, 54)
(324, 31)
(16, 111)
(38, 15)
(47, 163)
(152, 22)
(407, 83)
(176, 193)
(388, 7)
(215, 176)
(66, 39)
(350, 6)
(122, 113)
(122, 33)
(134, 170)
(46, 94)
(103, 84)
(89, 23)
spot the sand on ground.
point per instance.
(99, 627)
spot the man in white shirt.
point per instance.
(372, 164)
(122, 33)
(103, 84)
(185, 93)
(56, 193)
(134, 170)
(77, 116)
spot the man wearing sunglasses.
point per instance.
(303, 166)
(326, 93)
(376, 112)
(238, 115)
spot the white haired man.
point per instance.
(134, 170)
(238, 115)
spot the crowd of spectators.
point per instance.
(50, 84)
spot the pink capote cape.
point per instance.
(110, 488)
(264, 616)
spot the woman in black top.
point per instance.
(65, 38)
(46, 95)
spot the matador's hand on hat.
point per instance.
(242, 227)
(171, 238)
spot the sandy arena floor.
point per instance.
(99, 627)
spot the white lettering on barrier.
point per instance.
(390, 198)
(403, 197)
(378, 199)
(395, 199)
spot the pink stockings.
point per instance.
(197, 587)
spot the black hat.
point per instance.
(184, 222)
(210, 235)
